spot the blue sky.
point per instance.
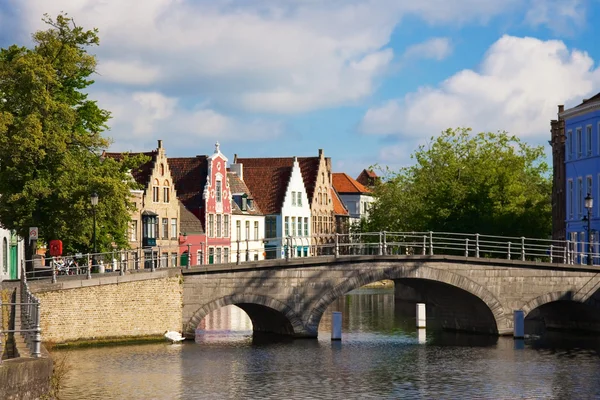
(365, 80)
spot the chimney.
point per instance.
(235, 158)
(320, 152)
(561, 108)
(159, 144)
(238, 169)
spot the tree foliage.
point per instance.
(50, 142)
(489, 183)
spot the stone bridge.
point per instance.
(289, 297)
(467, 294)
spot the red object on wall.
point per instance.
(56, 248)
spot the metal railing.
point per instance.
(412, 244)
(29, 312)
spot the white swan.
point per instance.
(173, 336)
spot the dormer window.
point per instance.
(218, 190)
(244, 203)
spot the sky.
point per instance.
(367, 81)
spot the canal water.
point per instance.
(381, 356)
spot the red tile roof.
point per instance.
(188, 222)
(308, 165)
(338, 206)
(268, 184)
(367, 177)
(141, 174)
(345, 184)
(189, 175)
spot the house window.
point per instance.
(155, 197)
(133, 231)
(570, 145)
(218, 191)
(226, 226)
(579, 197)
(226, 255)
(174, 228)
(165, 228)
(211, 225)
(166, 191)
(218, 261)
(238, 229)
(211, 255)
(571, 197)
(287, 226)
(293, 226)
(305, 226)
(219, 217)
(162, 169)
(174, 259)
(247, 230)
(270, 227)
(255, 230)
(164, 260)
(150, 227)
(579, 143)
(293, 198)
(588, 138)
(198, 257)
(299, 199)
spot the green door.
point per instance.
(14, 264)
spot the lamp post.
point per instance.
(589, 203)
(94, 201)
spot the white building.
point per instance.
(356, 197)
(12, 252)
(279, 190)
(247, 220)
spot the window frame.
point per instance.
(588, 138)
(579, 135)
(165, 228)
(174, 228)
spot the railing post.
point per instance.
(467, 247)
(247, 250)
(189, 261)
(89, 267)
(551, 253)
(430, 243)
(336, 251)
(122, 262)
(238, 251)
(53, 261)
(37, 336)
(522, 248)
(287, 248)
(508, 255)
(380, 251)
(159, 258)
(477, 245)
(152, 265)
(385, 252)
(424, 244)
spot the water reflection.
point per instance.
(381, 355)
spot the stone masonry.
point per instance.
(110, 306)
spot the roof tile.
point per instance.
(189, 175)
(345, 184)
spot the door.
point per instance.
(14, 261)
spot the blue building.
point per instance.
(582, 174)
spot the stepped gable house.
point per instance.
(316, 174)
(203, 188)
(278, 187)
(247, 220)
(155, 222)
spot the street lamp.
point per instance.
(589, 203)
(94, 201)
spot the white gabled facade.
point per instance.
(247, 237)
(294, 223)
(12, 252)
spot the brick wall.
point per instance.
(111, 307)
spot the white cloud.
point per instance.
(561, 16)
(284, 57)
(139, 118)
(517, 88)
(434, 48)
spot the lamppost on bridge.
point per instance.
(94, 201)
(589, 204)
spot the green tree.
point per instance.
(50, 143)
(489, 183)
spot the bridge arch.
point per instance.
(266, 313)
(564, 295)
(414, 270)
